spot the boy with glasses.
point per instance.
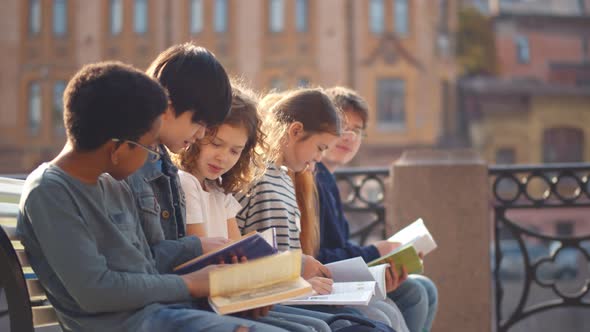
(417, 296)
(79, 223)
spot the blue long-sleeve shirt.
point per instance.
(334, 231)
(87, 247)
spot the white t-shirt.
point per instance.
(211, 207)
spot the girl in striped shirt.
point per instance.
(300, 125)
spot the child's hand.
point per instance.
(384, 247)
(321, 285)
(198, 282)
(313, 268)
(392, 279)
(211, 243)
(235, 260)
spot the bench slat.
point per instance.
(22, 257)
(44, 315)
(8, 210)
(10, 232)
(35, 288)
(10, 190)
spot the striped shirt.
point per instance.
(272, 204)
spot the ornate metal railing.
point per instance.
(518, 192)
(362, 191)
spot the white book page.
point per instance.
(343, 293)
(416, 234)
(378, 273)
(355, 269)
(269, 236)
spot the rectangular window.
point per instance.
(34, 108)
(60, 18)
(522, 49)
(58, 107)
(391, 104)
(376, 16)
(116, 17)
(141, 16)
(276, 17)
(505, 156)
(443, 16)
(34, 17)
(401, 17)
(196, 16)
(301, 8)
(220, 15)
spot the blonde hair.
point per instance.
(314, 109)
(250, 166)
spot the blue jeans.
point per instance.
(184, 318)
(417, 299)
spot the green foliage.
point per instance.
(476, 49)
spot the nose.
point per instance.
(347, 136)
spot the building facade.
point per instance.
(535, 109)
(397, 53)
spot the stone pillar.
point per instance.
(449, 190)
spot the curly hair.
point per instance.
(110, 100)
(250, 166)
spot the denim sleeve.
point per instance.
(171, 253)
(70, 248)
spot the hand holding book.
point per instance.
(393, 279)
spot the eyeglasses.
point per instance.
(153, 154)
(355, 132)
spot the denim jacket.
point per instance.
(162, 216)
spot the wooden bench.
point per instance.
(28, 308)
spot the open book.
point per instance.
(343, 293)
(406, 256)
(257, 283)
(252, 245)
(414, 238)
(417, 235)
(355, 270)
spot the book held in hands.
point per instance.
(343, 293)
(414, 239)
(252, 245)
(261, 282)
(417, 235)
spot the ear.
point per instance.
(115, 152)
(169, 114)
(295, 130)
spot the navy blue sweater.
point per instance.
(334, 232)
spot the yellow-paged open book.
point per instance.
(258, 283)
